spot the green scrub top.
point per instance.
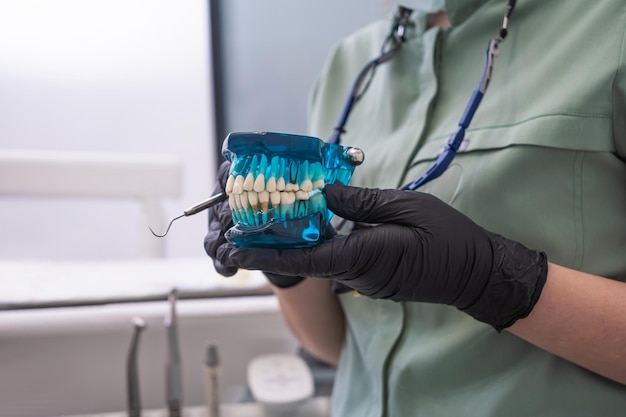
(543, 163)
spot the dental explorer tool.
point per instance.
(132, 376)
(172, 367)
(210, 202)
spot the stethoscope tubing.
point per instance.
(455, 140)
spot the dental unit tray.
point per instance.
(275, 187)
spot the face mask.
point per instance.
(426, 6)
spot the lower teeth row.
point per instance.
(254, 209)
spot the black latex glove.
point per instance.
(420, 250)
(220, 220)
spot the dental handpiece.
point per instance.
(203, 205)
(132, 375)
(173, 375)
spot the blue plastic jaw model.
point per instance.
(275, 187)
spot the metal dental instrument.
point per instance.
(172, 368)
(210, 202)
(132, 376)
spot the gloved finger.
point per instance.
(225, 271)
(221, 216)
(223, 264)
(373, 205)
(221, 211)
(317, 262)
(220, 220)
(348, 256)
(212, 241)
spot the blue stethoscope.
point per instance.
(392, 45)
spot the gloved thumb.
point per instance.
(373, 205)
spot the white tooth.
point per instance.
(254, 200)
(243, 212)
(275, 198)
(302, 195)
(248, 184)
(287, 199)
(243, 200)
(229, 184)
(282, 170)
(264, 198)
(318, 184)
(232, 202)
(271, 184)
(306, 185)
(254, 165)
(303, 175)
(318, 176)
(259, 183)
(238, 185)
(291, 187)
(280, 184)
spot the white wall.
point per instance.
(104, 75)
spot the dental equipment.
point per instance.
(172, 368)
(275, 187)
(132, 375)
(211, 381)
(280, 382)
(209, 202)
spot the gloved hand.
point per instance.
(220, 220)
(420, 250)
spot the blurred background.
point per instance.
(150, 76)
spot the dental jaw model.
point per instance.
(275, 187)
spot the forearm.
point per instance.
(315, 317)
(581, 318)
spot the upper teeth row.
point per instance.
(279, 175)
